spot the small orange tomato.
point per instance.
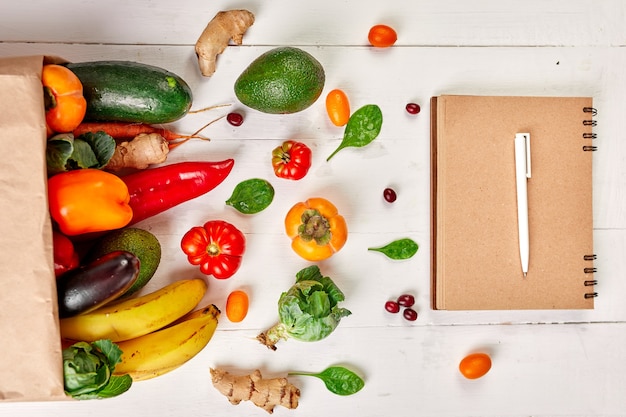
(316, 229)
(338, 107)
(475, 365)
(64, 102)
(237, 306)
(382, 36)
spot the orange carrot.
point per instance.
(126, 131)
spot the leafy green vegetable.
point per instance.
(64, 152)
(88, 370)
(251, 196)
(338, 380)
(363, 127)
(308, 311)
(398, 249)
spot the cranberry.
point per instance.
(390, 195)
(235, 119)
(409, 314)
(392, 307)
(413, 108)
(406, 300)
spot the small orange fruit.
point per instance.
(475, 365)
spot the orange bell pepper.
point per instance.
(88, 200)
(316, 229)
(64, 102)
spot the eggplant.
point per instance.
(93, 285)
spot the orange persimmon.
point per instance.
(64, 102)
(316, 229)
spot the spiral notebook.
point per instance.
(474, 222)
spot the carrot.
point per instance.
(127, 131)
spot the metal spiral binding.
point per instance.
(590, 122)
(590, 282)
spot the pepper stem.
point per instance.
(314, 227)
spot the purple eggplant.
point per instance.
(93, 285)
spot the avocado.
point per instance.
(280, 81)
(141, 243)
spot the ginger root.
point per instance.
(264, 393)
(144, 150)
(226, 25)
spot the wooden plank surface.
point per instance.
(546, 363)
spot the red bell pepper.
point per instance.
(217, 247)
(65, 256)
(155, 190)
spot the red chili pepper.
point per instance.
(291, 160)
(217, 247)
(65, 257)
(155, 190)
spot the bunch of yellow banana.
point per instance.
(157, 332)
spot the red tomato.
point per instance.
(382, 36)
(217, 246)
(475, 365)
(291, 160)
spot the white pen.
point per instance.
(522, 173)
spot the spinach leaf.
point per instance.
(338, 380)
(398, 249)
(251, 196)
(363, 127)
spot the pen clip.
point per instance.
(526, 138)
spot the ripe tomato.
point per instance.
(291, 160)
(338, 107)
(475, 365)
(237, 306)
(382, 36)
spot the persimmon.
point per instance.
(64, 102)
(316, 229)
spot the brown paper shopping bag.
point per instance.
(30, 352)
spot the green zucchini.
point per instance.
(127, 91)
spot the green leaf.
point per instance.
(363, 127)
(251, 196)
(64, 152)
(398, 249)
(338, 380)
(117, 385)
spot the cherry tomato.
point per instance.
(475, 365)
(338, 107)
(237, 306)
(382, 36)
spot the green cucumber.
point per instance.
(127, 91)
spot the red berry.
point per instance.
(410, 314)
(413, 108)
(235, 119)
(390, 195)
(406, 300)
(392, 307)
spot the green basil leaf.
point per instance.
(251, 196)
(363, 127)
(338, 380)
(398, 249)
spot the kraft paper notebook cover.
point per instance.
(475, 251)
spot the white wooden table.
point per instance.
(545, 363)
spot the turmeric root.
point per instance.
(264, 393)
(226, 25)
(144, 150)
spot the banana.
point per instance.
(162, 351)
(134, 317)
